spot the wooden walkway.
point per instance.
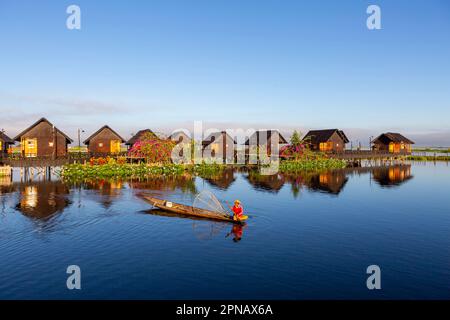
(42, 162)
(366, 155)
(16, 161)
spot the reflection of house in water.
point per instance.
(108, 190)
(42, 199)
(185, 182)
(6, 185)
(392, 176)
(272, 183)
(222, 180)
(329, 182)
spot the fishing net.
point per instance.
(207, 200)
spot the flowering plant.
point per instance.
(292, 151)
(99, 161)
(153, 149)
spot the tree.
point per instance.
(295, 138)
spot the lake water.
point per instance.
(308, 237)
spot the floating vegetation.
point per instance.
(428, 158)
(116, 170)
(318, 164)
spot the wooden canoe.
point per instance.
(182, 209)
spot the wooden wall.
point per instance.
(43, 132)
(104, 137)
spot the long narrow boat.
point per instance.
(182, 209)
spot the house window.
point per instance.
(391, 147)
(326, 146)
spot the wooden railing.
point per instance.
(19, 160)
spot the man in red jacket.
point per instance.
(237, 210)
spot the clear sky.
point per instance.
(247, 63)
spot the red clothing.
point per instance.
(238, 211)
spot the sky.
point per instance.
(289, 65)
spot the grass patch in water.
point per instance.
(319, 164)
(87, 171)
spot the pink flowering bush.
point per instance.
(292, 152)
(152, 149)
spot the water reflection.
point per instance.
(237, 230)
(272, 183)
(41, 200)
(185, 183)
(223, 180)
(331, 182)
(6, 185)
(46, 198)
(392, 176)
(205, 229)
(108, 190)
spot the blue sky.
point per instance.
(259, 64)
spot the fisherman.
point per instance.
(238, 211)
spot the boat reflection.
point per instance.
(41, 200)
(203, 228)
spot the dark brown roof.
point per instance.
(209, 139)
(138, 135)
(17, 138)
(318, 136)
(386, 138)
(5, 138)
(282, 140)
(100, 130)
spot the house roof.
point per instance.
(17, 138)
(134, 138)
(5, 138)
(318, 136)
(282, 140)
(388, 137)
(209, 139)
(100, 130)
(178, 133)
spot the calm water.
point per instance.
(308, 237)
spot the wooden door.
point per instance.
(115, 146)
(29, 147)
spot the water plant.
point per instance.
(318, 164)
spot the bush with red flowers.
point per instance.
(152, 149)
